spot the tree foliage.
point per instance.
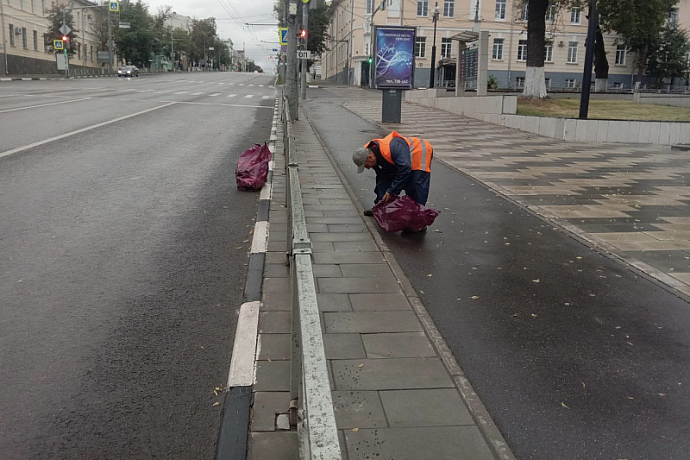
(317, 29)
(136, 44)
(669, 57)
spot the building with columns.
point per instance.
(347, 60)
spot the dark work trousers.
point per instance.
(416, 186)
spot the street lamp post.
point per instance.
(434, 17)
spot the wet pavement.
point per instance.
(574, 354)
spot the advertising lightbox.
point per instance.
(394, 59)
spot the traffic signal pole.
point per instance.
(305, 23)
(291, 77)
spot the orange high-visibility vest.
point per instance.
(421, 151)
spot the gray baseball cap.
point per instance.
(358, 158)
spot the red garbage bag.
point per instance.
(403, 213)
(252, 168)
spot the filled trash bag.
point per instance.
(403, 213)
(252, 168)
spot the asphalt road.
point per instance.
(123, 251)
(574, 355)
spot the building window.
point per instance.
(25, 42)
(446, 45)
(35, 40)
(519, 82)
(548, 52)
(21, 4)
(12, 35)
(33, 10)
(370, 6)
(522, 50)
(552, 13)
(523, 12)
(572, 52)
(673, 17)
(449, 8)
(570, 83)
(420, 47)
(576, 15)
(422, 7)
(475, 10)
(498, 49)
(620, 54)
(501, 9)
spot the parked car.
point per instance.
(128, 71)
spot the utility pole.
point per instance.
(291, 77)
(305, 26)
(110, 44)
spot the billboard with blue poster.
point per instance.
(394, 59)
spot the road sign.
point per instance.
(303, 54)
(114, 6)
(283, 35)
(61, 60)
(305, 1)
(124, 25)
(65, 29)
(58, 45)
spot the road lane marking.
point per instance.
(232, 95)
(79, 131)
(214, 95)
(44, 105)
(265, 97)
(197, 94)
(214, 104)
(241, 84)
(230, 84)
(249, 96)
(182, 92)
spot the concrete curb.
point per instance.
(499, 447)
(235, 417)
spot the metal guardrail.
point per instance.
(311, 405)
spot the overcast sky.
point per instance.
(231, 16)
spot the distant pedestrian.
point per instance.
(400, 163)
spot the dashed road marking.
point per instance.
(249, 96)
(232, 95)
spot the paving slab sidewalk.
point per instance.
(394, 397)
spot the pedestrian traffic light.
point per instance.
(370, 59)
(302, 33)
(65, 38)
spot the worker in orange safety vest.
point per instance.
(401, 163)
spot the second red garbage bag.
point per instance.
(403, 213)
(252, 168)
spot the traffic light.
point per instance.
(370, 59)
(302, 34)
(65, 38)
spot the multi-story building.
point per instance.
(350, 48)
(26, 46)
(178, 21)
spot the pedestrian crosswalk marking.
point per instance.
(265, 97)
(249, 96)
(232, 95)
(214, 95)
(241, 84)
(197, 94)
(261, 86)
(182, 92)
(251, 85)
(230, 84)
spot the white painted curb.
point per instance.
(244, 350)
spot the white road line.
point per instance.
(265, 97)
(44, 105)
(197, 94)
(241, 84)
(232, 95)
(182, 92)
(79, 131)
(215, 104)
(145, 90)
(249, 96)
(230, 84)
(221, 83)
(261, 86)
(214, 95)
(244, 350)
(251, 84)
(260, 240)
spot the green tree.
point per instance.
(669, 58)
(203, 36)
(57, 16)
(136, 44)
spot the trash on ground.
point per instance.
(403, 213)
(252, 168)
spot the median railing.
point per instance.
(311, 406)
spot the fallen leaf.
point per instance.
(579, 257)
(474, 297)
(360, 365)
(216, 404)
(429, 275)
(563, 404)
(535, 281)
(662, 394)
(355, 430)
(533, 315)
(583, 385)
(631, 398)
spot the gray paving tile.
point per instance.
(341, 237)
(390, 374)
(326, 271)
(344, 346)
(414, 408)
(355, 246)
(275, 257)
(398, 345)
(366, 270)
(265, 407)
(277, 246)
(275, 322)
(438, 443)
(272, 376)
(358, 409)
(276, 271)
(381, 302)
(336, 228)
(333, 302)
(279, 445)
(335, 220)
(274, 346)
(369, 322)
(276, 285)
(349, 258)
(317, 228)
(358, 285)
(322, 246)
(275, 301)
